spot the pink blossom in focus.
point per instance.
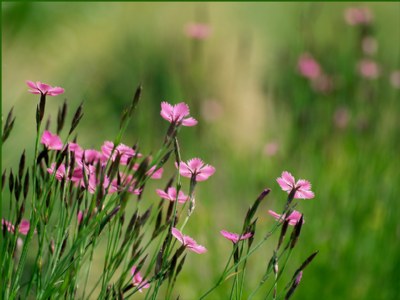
(198, 31)
(188, 242)
(293, 218)
(234, 237)
(60, 173)
(124, 151)
(44, 89)
(303, 187)
(138, 280)
(178, 114)
(395, 79)
(197, 168)
(51, 141)
(308, 66)
(368, 69)
(171, 195)
(358, 16)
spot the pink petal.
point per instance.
(201, 177)
(208, 170)
(294, 217)
(198, 249)
(163, 194)
(181, 110)
(36, 92)
(230, 236)
(303, 194)
(24, 227)
(303, 184)
(189, 122)
(32, 85)
(44, 88)
(275, 215)
(178, 235)
(55, 91)
(167, 111)
(184, 169)
(195, 164)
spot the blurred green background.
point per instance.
(258, 116)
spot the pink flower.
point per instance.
(51, 141)
(234, 237)
(80, 217)
(369, 45)
(138, 281)
(395, 79)
(358, 16)
(368, 69)
(197, 168)
(293, 218)
(60, 173)
(23, 227)
(308, 66)
(303, 187)
(178, 114)
(125, 151)
(188, 242)
(127, 183)
(156, 175)
(198, 31)
(171, 195)
(44, 89)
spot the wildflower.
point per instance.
(196, 167)
(154, 175)
(60, 173)
(124, 151)
(23, 227)
(44, 89)
(138, 281)
(79, 217)
(178, 114)
(171, 195)
(302, 187)
(234, 237)
(368, 69)
(369, 45)
(358, 16)
(51, 141)
(198, 31)
(127, 184)
(188, 242)
(293, 218)
(395, 79)
(308, 66)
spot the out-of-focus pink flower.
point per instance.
(125, 151)
(322, 84)
(211, 110)
(368, 69)
(303, 187)
(341, 117)
(178, 114)
(271, 148)
(358, 16)
(369, 45)
(234, 237)
(308, 66)
(60, 173)
(198, 31)
(76, 149)
(188, 242)
(23, 227)
(138, 281)
(171, 195)
(51, 141)
(127, 184)
(44, 89)
(395, 79)
(154, 175)
(293, 218)
(91, 156)
(197, 168)
(80, 217)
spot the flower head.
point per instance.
(138, 281)
(358, 16)
(308, 66)
(188, 242)
(368, 69)
(178, 113)
(23, 226)
(303, 187)
(234, 237)
(124, 151)
(51, 141)
(43, 89)
(196, 167)
(293, 218)
(60, 173)
(171, 195)
(198, 31)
